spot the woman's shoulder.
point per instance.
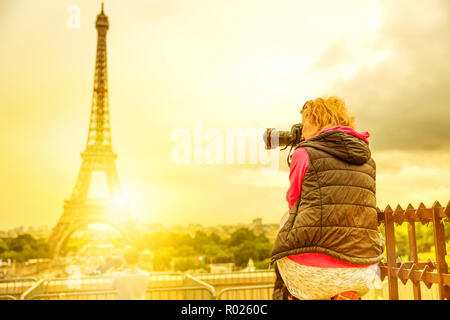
(300, 154)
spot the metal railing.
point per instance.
(174, 286)
(89, 295)
(258, 277)
(191, 280)
(37, 288)
(182, 293)
(15, 286)
(166, 279)
(74, 284)
(102, 283)
(247, 293)
(417, 272)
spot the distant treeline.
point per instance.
(182, 252)
(22, 248)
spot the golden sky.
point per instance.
(229, 64)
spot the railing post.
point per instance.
(413, 250)
(36, 289)
(439, 245)
(391, 253)
(191, 280)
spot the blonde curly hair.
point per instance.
(327, 112)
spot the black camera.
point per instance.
(274, 138)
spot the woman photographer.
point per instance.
(330, 244)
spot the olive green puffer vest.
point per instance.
(336, 211)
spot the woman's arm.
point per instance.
(298, 168)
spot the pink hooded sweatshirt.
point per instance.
(299, 167)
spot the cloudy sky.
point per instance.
(227, 65)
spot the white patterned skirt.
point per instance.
(314, 283)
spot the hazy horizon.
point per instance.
(230, 64)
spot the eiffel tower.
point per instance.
(98, 156)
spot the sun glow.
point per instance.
(120, 202)
(100, 227)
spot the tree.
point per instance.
(163, 258)
(23, 247)
(215, 238)
(185, 251)
(184, 263)
(3, 246)
(243, 252)
(245, 244)
(240, 236)
(263, 264)
(176, 250)
(200, 241)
